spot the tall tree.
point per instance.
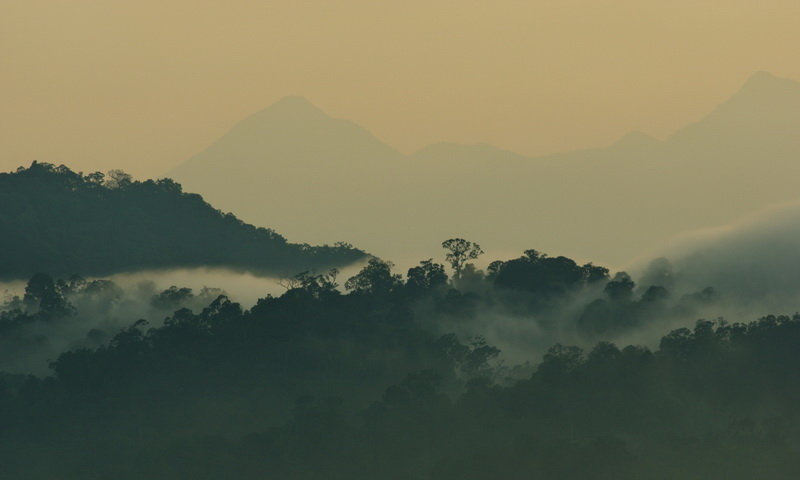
(459, 251)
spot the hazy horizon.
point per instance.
(271, 140)
(144, 86)
(320, 179)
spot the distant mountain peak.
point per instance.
(291, 132)
(761, 79)
(765, 87)
(293, 98)
(293, 106)
(764, 109)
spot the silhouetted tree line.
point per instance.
(321, 383)
(63, 222)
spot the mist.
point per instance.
(399, 240)
(284, 355)
(752, 265)
(753, 262)
(115, 302)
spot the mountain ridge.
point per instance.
(323, 185)
(297, 107)
(62, 222)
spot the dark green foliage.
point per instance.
(546, 276)
(720, 407)
(715, 402)
(426, 276)
(320, 384)
(376, 278)
(63, 222)
(620, 288)
(171, 298)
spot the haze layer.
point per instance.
(320, 179)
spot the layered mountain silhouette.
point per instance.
(764, 111)
(58, 221)
(290, 132)
(291, 164)
(311, 176)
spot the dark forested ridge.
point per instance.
(63, 222)
(370, 382)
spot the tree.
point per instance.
(459, 251)
(539, 274)
(318, 285)
(172, 298)
(426, 276)
(594, 273)
(42, 294)
(655, 293)
(375, 278)
(118, 179)
(620, 288)
(493, 269)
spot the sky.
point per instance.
(144, 85)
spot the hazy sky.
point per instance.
(143, 85)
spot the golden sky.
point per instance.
(143, 85)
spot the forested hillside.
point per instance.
(63, 222)
(370, 382)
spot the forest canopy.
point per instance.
(63, 222)
(378, 377)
